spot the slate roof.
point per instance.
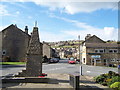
(93, 37)
(14, 27)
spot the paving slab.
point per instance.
(57, 81)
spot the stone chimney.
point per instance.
(16, 25)
(26, 29)
(88, 36)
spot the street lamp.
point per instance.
(79, 56)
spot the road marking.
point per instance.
(88, 71)
(55, 69)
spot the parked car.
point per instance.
(53, 60)
(78, 60)
(71, 61)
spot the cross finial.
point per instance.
(35, 23)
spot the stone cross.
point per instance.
(34, 55)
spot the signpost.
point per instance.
(95, 56)
(79, 56)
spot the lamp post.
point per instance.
(79, 56)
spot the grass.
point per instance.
(68, 46)
(75, 42)
(12, 63)
(55, 46)
(62, 46)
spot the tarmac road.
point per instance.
(62, 67)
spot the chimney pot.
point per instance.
(26, 29)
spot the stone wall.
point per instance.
(104, 56)
(15, 43)
(47, 50)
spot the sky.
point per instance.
(62, 20)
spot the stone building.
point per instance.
(95, 51)
(48, 51)
(14, 43)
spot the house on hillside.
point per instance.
(95, 51)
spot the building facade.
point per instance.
(14, 43)
(47, 50)
(95, 51)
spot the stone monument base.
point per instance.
(22, 78)
(25, 80)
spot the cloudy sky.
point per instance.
(63, 19)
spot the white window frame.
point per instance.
(113, 50)
(113, 60)
(98, 51)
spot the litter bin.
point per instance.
(74, 81)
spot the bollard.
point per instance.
(74, 81)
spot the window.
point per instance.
(117, 60)
(104, 60)
(110, 51)
(113, 50)
(98, 61)
(99, 51)
(112, 60)
(84, 60)
(4, 52)
(96, 51)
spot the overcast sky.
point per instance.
(64, 19)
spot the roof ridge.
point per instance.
(12, 25)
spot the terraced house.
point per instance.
(95, 51)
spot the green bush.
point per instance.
(111, 73)
(115, 86)
(99, 79)
(114, 79)
(108, 78)
(102, 79)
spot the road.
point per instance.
(62, 67)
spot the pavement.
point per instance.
(57, 81)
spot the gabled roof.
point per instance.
(14, 27)
(94, 39)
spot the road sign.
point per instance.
(95, 56)
(119, 66)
